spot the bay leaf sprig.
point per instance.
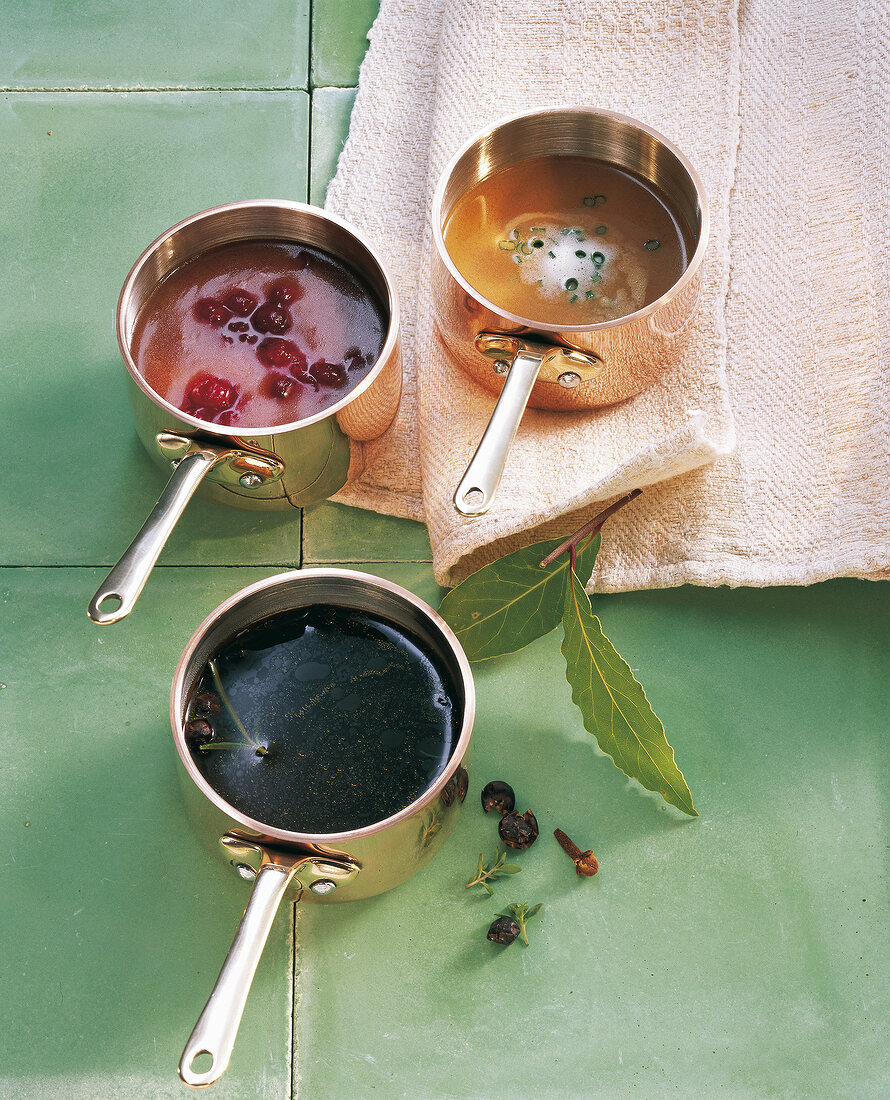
(504, 606)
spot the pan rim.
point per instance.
(515, 319)
(241, 432)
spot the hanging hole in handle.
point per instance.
(472, 502)
(473, 498)
(106, 607)
(202, 1063)
(110, 603)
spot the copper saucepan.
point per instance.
(313, 868)
(287, 466)
(544, 365)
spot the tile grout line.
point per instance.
(301, 563)
(292, 1087)
(143, 89)
(310, 91)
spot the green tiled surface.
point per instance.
(742, 954)
(339, 40)
(115, 917)
(335, 533)
(93, 178)
(164, 44)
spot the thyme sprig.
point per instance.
(484, 874)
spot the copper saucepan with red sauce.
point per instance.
(259, 384)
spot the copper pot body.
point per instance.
(286, 466)
(317, 455)
(389, 851)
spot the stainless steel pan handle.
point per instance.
(275, 870)
(217, 1027)
(127, 579)
(478, 486)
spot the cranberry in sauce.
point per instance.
(211, 312)
(241, 302)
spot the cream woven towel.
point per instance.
(784, 113)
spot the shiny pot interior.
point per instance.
(286, 466)
(254, 220)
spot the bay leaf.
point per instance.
(614, 706)
(503, 606)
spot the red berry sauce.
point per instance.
(284, 291)
(271, 317)
(329, 374)
(258, 290)
(281, 355)
(205, 391)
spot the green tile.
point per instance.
(119, 912)
(334, 533)
(339, 40)
(165, 44)
(90, 180)
(331, 108)
(742, 954)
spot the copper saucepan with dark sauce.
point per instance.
(314, 730)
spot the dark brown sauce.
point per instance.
(324, 720)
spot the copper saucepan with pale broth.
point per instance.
(323, 720)
(568, 248)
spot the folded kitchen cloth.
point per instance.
(762, 450)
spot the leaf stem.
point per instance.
(591, 528)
